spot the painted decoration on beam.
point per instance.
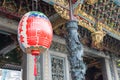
(117, 2)
(34, 33)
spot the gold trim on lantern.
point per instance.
(41, 49)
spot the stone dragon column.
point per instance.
(75, 49)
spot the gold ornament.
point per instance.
(64, 13)
(97, 37)
(91, 2)
(62, 8)
(9, 5)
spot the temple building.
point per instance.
(98, 27)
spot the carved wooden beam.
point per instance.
(9, 66)
(59, 21)
(93, 64)
(83, 18)
(8, 49)
(8, 25)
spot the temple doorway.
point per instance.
(94, 68)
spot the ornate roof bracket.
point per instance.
(91, 2)
(82, 17)
(97, 37)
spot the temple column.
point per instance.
(114, 68)
(30, 67)
(106, 70)
(75, 48)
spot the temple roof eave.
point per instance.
(10, 25)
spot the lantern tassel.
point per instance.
(35, 66)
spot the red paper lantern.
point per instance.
(34, 33)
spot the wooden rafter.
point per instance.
(8, 48)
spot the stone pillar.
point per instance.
(114, 68)
(30, 67)
(106, 69)
(46, 66)
(75, 48)
(24, 67)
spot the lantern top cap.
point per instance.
(36, 14)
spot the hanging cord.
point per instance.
(35, 66)
(34, 5)
(71, 7)
(71, 10)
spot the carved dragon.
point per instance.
(97, 33)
